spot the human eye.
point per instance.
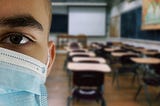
(16, 38)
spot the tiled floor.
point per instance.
(58, 90)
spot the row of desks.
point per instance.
(77, 66)
(103, 67)
(144, 52)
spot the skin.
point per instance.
(34, 39)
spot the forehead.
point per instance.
(35, 8)
(20, 5)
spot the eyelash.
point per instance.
(9, 34)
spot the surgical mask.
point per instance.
(22, 80)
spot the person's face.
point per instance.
(24, 27)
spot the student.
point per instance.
(26, 55)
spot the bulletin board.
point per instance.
(151, 15)
(115, 26)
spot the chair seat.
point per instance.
(152, 81)
(87, 94)
(126, 69)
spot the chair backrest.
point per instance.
(74, 45)
(152, 50)
(88, 78)
(157, 55)
(126, 59)
(80, 55)
(156, 68)
(88, 61)
(120, 50)
(78, 50)
(109, 43)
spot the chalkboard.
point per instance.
(59, 23)
(131, 22)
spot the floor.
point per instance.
(58, 90)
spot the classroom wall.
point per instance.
(64, 10)
(117, 11)
(59, 10)
(131, 20)
(130, 25)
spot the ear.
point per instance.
(52, 53)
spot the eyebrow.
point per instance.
(20, 21)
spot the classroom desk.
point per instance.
(120, 54)
(88, 66)
(91, 54)
(138, 49)
(98, 59)
(146, 60)
(70, 50)
(111, 49)
(145, 51)
(96, 46)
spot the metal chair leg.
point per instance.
(158, 96)
(118, 87)
(113, 77)
(69, 99)
(134, 78)
(147, 95)
(103, 103)
(138, 91)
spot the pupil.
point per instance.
(16, 39)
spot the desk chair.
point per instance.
(98, 48)
(126, 66)
(87, 86)
(79, 54)
(150, 79)
(158, 55)
(78, 50)
(70, 59)
(111, 59)
(74, 45)
(88, 61)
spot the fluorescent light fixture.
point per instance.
(77, 4)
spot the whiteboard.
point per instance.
(90, 21)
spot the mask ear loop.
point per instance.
(48, 59)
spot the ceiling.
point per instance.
(110, 3)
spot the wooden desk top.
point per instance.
(120, 54)
(70, 50)
(96, 46)
(138, 48)
(147, 60)
(111, 49)
(99, 59)
(92, 54)
(146, 52)
(88, 66)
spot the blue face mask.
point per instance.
(22, 80)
